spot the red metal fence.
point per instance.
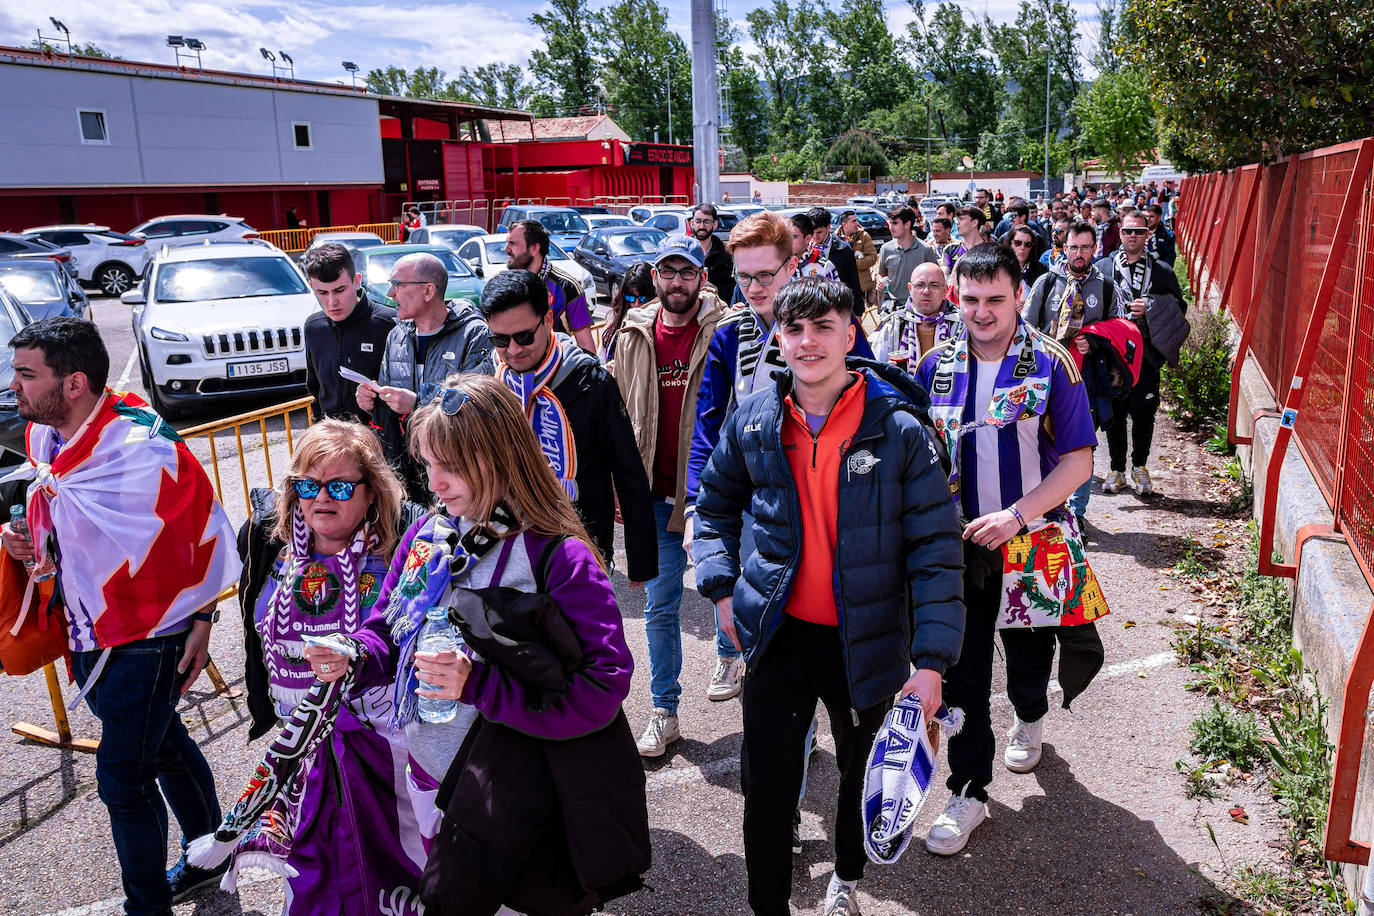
(1288, 249)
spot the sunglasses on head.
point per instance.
(523, 338)
(450, 400)
(340, 490)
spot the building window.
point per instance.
(300, 130)
(92, 125)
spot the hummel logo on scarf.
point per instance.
(546, 414)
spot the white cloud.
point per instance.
(317, 35)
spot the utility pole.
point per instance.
(669, 85)
(927, 146)
(705, 101)
(1048, 71)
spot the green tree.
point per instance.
(1021, 52)
(1242, 83)
(642, 61)
(749, 126)
(954, 54)
(420, 83)
(1113, 34)
(875, 74)
(858, 154)
(1117, 120)
(499, 85)
(787, 37)
(564, 69)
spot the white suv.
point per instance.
(220, 320)
(109, 260)
(191, 228)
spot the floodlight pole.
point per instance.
(705, 101)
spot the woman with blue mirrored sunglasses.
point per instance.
(341, 490)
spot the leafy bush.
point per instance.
(1199, 387)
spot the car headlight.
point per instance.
(160, 334)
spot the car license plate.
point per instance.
(260, 367)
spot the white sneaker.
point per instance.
(950, 832)
(1023, 751)
(841, 901)
(661, 731)
(1140, 480)
(1114, 482)
(727, 680)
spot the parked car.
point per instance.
(643, 212)
(486, 255)
(108, 260)
(590, 209)
(564, 225)
(15, 245)
(181, 229)
(375, 265)
(673, 222)
(606, 221)
(353, 241)
(870, 218)
(13, 317)
(744, 211)
(220, 321)
(608, 253)
(44, 288)
(451, 236)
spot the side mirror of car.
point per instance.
(477, 269)
(133, 296)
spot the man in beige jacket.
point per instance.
(865, 255)
(660, 357)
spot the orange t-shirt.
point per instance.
(815, 459)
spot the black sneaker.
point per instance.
(185, 879)
(796, 834)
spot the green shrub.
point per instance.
(1199, 387)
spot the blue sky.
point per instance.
(319, 34)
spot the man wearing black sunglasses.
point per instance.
(578, 416)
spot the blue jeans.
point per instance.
(662, 620)
(724, 647)
(144, 746)
(1078, 502)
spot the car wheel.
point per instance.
(114, 279)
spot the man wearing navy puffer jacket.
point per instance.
(856, 577)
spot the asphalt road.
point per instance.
(1100, 827)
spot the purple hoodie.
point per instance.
(577, 582)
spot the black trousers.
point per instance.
(804, 663)
(968, 685)
(1141, 407)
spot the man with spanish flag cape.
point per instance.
(124, 513)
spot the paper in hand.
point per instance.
(359, 378)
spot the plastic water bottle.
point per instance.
(438, 635)
(20, 526)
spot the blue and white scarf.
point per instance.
(757, 356)
(901, 767)
(546, 413)
(438, 555)
(1022, 389)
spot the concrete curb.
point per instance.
(1331, 597)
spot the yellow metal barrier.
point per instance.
(389, 232)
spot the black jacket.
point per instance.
(608, 462)
(1163, 282)
(358, 342)
(1034, 271)
(720, 270)
(842, 256)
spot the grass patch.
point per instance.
(1199, 387)
(1191, 564)
(1257, 676)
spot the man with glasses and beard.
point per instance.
(578, 417)
(720, 268)
(1141, 277)
(1067, 299)
(527, 248)
(660, 358)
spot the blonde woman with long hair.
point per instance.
(346, 829)
(544, 808)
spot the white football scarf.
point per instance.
(901, 767)
(546, 413)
